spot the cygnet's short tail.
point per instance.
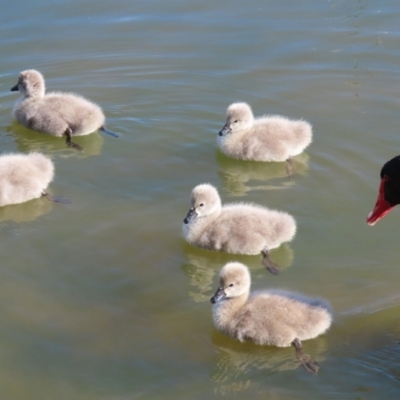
(285, 227)
(111, 133)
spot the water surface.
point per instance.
(102, 299)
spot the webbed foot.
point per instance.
(310, 365)
(56, 199)
(269, 264)
(69, 142)
(289, 168)
(111, 133)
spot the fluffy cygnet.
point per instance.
(24, 177)
(235, 228)
(56, 113)
(269, 138)
(271, 317)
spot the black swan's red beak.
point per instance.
(382, 206)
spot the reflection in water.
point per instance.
(27, 211)
(238, 175)
(234, 360)
(28, 140)
(202, 265)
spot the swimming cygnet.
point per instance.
(270, 317)
(24, 177)
(268, 138)
(55, 113)
(236, 228)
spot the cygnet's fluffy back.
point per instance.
(234, 228)
(270, 317)
(269, 138)
(24, 177)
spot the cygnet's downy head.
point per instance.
(30, 84)
(204, 201)
(234, 281)
(238, 117)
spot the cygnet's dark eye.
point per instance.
(201, 205)
(231, 285)
(236, 121)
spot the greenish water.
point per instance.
(102, 299)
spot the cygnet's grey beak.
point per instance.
(219, 295)
(15, 88)
(190, 215)
(225, 130)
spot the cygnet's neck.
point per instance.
(199, 225)
(225, 310)
(215, 214)
(236, 303)
(243, 131)
(247, 126)
(229, 143)
(36, 93)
